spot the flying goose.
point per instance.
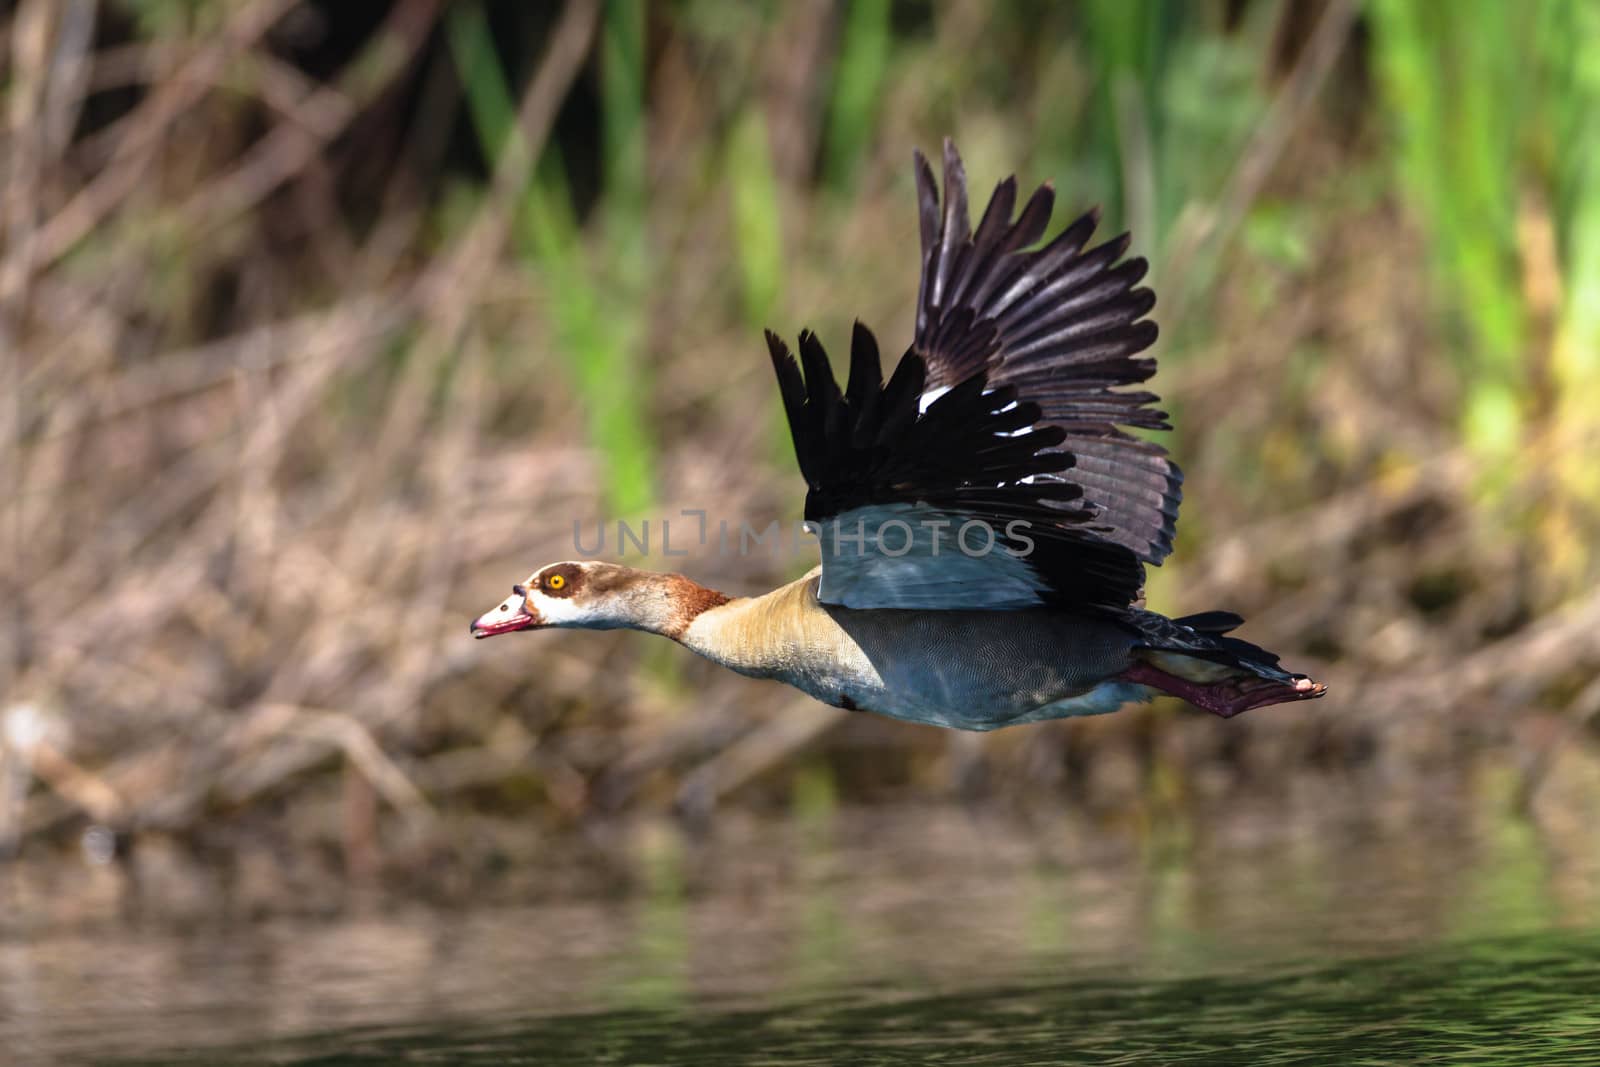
(983, 520)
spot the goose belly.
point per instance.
(975, 670)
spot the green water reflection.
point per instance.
(1533, 999)
(1285, 930)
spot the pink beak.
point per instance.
(507, 617)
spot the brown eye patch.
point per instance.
(560, 581)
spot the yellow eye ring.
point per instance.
(555, 581)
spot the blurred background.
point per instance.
(322, 323)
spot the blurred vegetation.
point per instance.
(322, 323)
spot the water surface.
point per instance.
(1532, 999)
(1272, 932)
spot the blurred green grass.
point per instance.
(595, 289)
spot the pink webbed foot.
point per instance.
(1227, 698)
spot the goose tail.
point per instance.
(1194, 657)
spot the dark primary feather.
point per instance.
(1063, 325)
(1034, 349)
(967, 456)
(868, 445)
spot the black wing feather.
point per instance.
(1033, 351)
(974, 452)
(1064, 325)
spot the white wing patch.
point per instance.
(929, 397)
(914, 556)
(1011, 433)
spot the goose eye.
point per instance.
(555, 581)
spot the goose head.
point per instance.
(560, 595)
(591, 595)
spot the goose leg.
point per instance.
(1226, 698)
